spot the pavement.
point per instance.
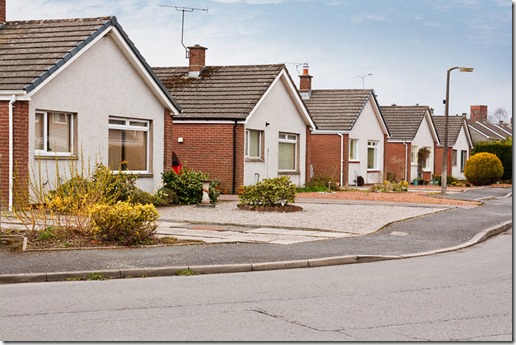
(232, 247)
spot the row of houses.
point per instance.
(77, 88)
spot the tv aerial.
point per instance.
(363, 78)
(184, 9)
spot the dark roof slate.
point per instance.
(404, 121)
(220, 92)
(32, 50)
(491, 131)
(455, 124)
(337, 109)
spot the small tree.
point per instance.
(422, 156)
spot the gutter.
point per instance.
(11, 151)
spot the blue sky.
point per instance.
(406, 45)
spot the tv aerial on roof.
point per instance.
(184, 9)
(363, 77)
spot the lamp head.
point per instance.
(466, 69)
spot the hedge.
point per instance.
(503, 150)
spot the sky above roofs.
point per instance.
(400, 48)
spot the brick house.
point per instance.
(411, 128)
(239, 124)
(459, 145)
(482, 130)
(350, 135)
(72, 88)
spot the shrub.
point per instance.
(483, 169)
(124, 223)
(269, 192)
(388, 186)
(321, 184)
(185, 188)
(450, 180)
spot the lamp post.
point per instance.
(444, 172)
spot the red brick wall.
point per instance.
(438, 160)
(325, 156)
(20, 148)
(168, 141)
(395, 161)
(209, 148)
(3, 11)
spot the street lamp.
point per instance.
(444, 172)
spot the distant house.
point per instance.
(350, 136)
(459, 145)
(239, 124)
(411, 129)
(482, 130)
(72, 88)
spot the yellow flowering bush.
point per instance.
(124, 223)
(483, 168)
(388, 186)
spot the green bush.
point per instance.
(450, 180)
(388, 186)
(124, 223)
(503, 150)
(483, 168)
(186, 187)
(269, 192)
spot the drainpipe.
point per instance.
(341, 156)
(406, 159)
(11, 149)
(234, 158)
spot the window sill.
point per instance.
(289, 172)
(254, 160)
(56, 157)
(354, 162)
(373, 170)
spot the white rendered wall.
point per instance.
(279, 110)
(367, 128)
(98, 84)
(423, 138)
(460, 145)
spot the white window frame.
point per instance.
(463, 159)
(454, 158)
(413, 154)
(130, 124)
(293, 139)
(72, 130)
(373, 144)
(353, 150)
(260, 144)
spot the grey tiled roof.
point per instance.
(31, 51)
(404, 121)
(336, 109)
(221, 92)
(490, 131)
(455, 124)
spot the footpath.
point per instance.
(444, 230)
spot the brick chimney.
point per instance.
(305, 83)
(478, 113)
(197, 57)
(3, 12)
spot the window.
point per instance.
(129, 145)
(287, 155)
(426, 163)
(353, 149)
(463, 159)
(413, 154)
(454, 158)
(253, 144)
(55, 133)
(372, 155)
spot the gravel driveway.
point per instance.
(354, 219)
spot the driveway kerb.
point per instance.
(233, 268)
